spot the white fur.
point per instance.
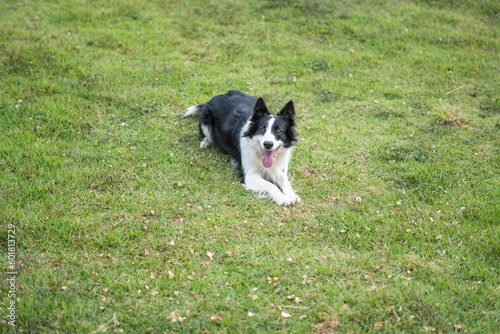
(192, 111)
(272, 182)
(209, 138)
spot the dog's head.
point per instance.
(272, 132)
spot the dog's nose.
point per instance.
(268, 145)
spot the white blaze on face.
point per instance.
(268, 154)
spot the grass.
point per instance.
(124, 225)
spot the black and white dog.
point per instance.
(259, 144)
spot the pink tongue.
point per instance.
(267, 158)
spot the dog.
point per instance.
(259, 144)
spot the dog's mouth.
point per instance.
(268, 156)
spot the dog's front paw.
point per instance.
(293, 197)
(287, 200)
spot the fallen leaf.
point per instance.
(302, 317)
(170, 274)
(229, 253)
(210, 255)
(175, 317)
(327, 326)
(285, 315)
(216, 317)
(250, 314)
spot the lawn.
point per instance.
(114, 220)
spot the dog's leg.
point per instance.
(255, 182)
(208, 139)
(284, 184)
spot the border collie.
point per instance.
(259, 144)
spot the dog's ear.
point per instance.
(288, 113)
(259, 109)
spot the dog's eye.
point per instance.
(278, 131)
(263, 130)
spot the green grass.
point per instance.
(112, 199)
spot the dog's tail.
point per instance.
(193, 111)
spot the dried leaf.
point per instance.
(216, 317)
(175, 317)
(327, 326)
(285, 315)
(210, 255)
(170, 274)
